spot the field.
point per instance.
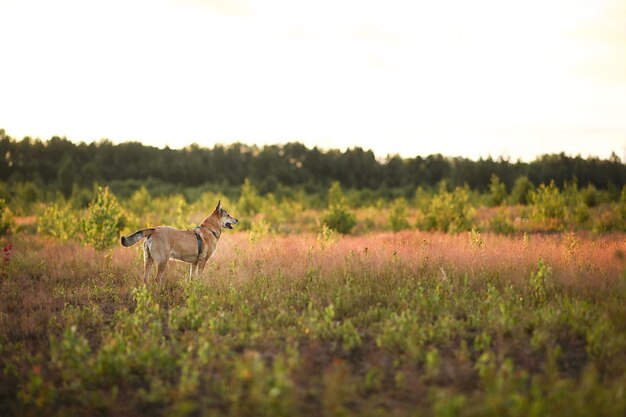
(402, 324)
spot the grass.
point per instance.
(397, 324)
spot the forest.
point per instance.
(59, 164)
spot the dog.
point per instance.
(194, 246)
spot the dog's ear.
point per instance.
(219, 205)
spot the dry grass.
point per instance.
(373, 324)
(47, 274)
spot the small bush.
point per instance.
(422, 199)
(449, 212)
(539, 282)
(104, 220)
(139, 201)
(497, 191)
(548, 203)
(25, 195)
(7, 223)
(620, 208)
(58, 220)
(591, 196)
(338, 217)
(397, 215)
(249, 201)
(521, 191)
(501, 223)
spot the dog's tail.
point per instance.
(136, 237)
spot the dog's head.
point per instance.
(226, 220)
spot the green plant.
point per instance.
(397, 215)
(475, 239)
(539, 282)
(449, 211)
(620, 207)
(7, 223)
(249, 201)
(497, 191)
(326, 236)
(500, 222)
(58, 220)
(521, 191)
(338, 217)
(259, 230)
(548, 203)
(422, 199)
(25, 195)
(591, 196)
(104, 220)
(139, 201)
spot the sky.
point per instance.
(483, 78)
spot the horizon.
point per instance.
(380, 158)
(493, 78)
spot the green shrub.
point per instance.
(548, 203)
(591, 196)
(81, 197)
(449, 212)
(172, 210)
(571, 195)
(249, 201)
(610, 218)
(338, 217)
(180, 219)
(521, 191)
(620, 208)
(539, 282)
(497, 191)
(7, 223)
(139, 201)
(397, 215)
(422, 199)
(104, 221)
(58, 220)
(501, 223)
(277, 212)
(580, 214)
(25, 195)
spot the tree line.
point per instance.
(63, 164)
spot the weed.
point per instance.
(539, 282)
(475, 239)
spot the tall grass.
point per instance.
(383, 324)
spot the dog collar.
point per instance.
(199, 242)
(210, 230)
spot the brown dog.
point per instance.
(194, 246)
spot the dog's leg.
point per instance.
(201, 266)
(160, 271)
(147, 262)
(147, 267)
(192, 268)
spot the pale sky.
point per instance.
(479, 78)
